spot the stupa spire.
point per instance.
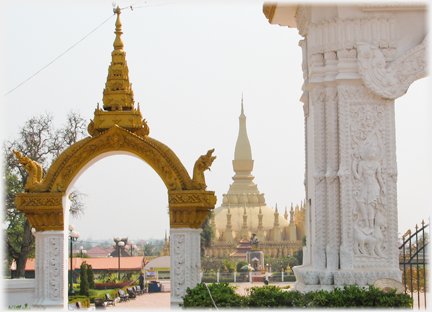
(229, 233)
(242, 109)
(243, 149)
(243, 163)
(244, 230)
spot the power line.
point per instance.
(58, 56)
(127, 7)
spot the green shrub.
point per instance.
(223, 295)
(269, 296)
(84, 286)
(85, 302)
(354, 296)
(240, 265)
(272, 296)
(90, 277)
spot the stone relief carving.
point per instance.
(43, 210)
(179, 265)
(55, 268)
(341, 34)
(369, 215)
(368, 172)
(318, 101)
(393, 81)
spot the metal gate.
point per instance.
(414, 260)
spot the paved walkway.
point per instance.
(161, 300)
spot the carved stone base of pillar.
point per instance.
(185, 262)
(311, 279)
(49, 284)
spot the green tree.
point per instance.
(299, 256)
(229, 264)
(207, 234)
(209, 264)
(240, 265)
(150, 250)
(90, 277)
(41, 142)
(84, 285)
(278, 264)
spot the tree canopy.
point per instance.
(40, 141)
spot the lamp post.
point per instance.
(73, 236)
(118, 243)
(82, 251)
(131, 247)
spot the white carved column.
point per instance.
(49, 266)
(356, 62)
(185, 262)
(320, 215)
(332, 181)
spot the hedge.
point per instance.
(272, 296)
(100, 286)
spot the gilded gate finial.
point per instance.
(118, 43)
(118, 98)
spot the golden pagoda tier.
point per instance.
(118, 100)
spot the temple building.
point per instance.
(244, 211)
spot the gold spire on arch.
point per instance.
(118, 99)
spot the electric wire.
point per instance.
(126, 7)
(58, 56)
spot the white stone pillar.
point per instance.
(185, 262)
(282, 274)
(49, 265)
(217, 276)
(235, 276)
(357, 59)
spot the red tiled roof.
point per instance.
(99, 251)
(238, 255)
(126, 263)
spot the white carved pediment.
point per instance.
(393, 81)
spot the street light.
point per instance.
(73, 236)
(82, 250)
(118, 243)
(132, 246)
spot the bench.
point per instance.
(100, 304)
(123, 296)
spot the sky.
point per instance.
(190, 63)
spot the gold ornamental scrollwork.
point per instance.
(190, 208)
(43, 210)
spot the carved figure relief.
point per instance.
(34, 169)
(368, 171)
(202, 164)
(369, 221)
